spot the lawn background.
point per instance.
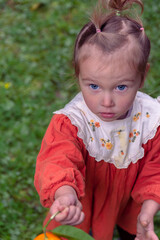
(36, 77)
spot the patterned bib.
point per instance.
(118, 142)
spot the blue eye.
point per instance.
(94, 86)
(121, 87)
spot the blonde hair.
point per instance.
(113, 24)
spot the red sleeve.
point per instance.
(148, 182)
(60, 160)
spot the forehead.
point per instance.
(94, 61)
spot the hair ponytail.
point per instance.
(107, 8)
(121, 5)
(115, 23)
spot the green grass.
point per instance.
(36, 77)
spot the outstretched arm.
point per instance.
(60, 161)
(145, 222)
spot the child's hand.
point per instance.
(145, 223)
(145, 228)
(67, 203)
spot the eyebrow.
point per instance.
(121, 80)
(89, 79)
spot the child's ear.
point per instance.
(145, 74)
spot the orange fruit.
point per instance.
(50, 236)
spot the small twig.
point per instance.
(51, 218)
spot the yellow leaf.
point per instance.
(36, 6)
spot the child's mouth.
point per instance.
(107, 115)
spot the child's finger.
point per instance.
(144, 220)
(62, 215)
(75, 216)
(80, 220)
(72, 213)
(61, 208)
(152, 236)
(56, 207)
(79, 205)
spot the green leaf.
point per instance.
(71, 233)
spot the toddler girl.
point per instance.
(99, 162)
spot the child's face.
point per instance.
(108, 84)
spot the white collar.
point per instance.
(118, 142)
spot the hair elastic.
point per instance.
(118, 13)
(141, 28)
(98, 30)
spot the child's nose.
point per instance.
(107, 100)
